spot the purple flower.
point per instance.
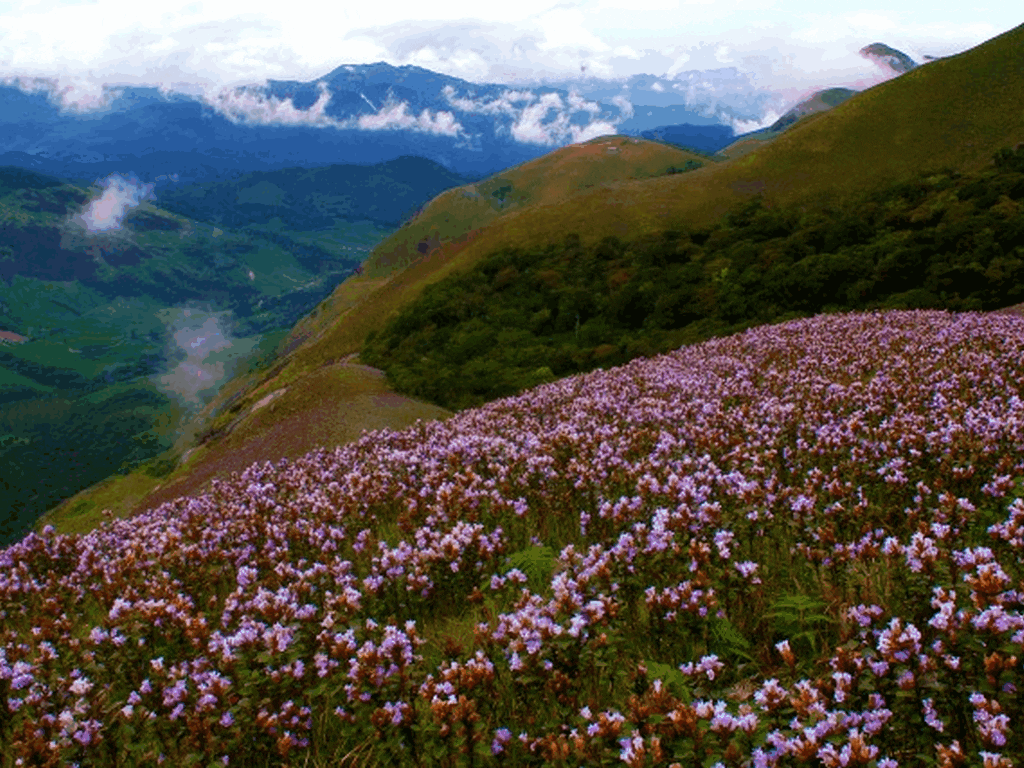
(502, 736)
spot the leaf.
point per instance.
(536, 562)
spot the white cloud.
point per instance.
(531, 115)
(565, 28)
(107, 212)
(533, 127)
(624, 104)
(872, 22)
(74, 94)
(579, 104)
(591, 131)
(504, 105)
(746, 126)
(249, 105)
(395, 116)
(200, 353)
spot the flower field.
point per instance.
(800, 545)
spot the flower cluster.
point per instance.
(800, 543)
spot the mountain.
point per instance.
(707, 139)
(386, 193)
(355, 114)
(944, 119)
(819, 101)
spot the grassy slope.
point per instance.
(952, 113)
(546, 181)
(328, 407)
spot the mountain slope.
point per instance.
(547, 181)
(314, 198)
(691, 556)
(952, 113)
(820, 101)
(115, 326)
(955, 112)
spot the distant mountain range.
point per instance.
(355, 114)
(368, 113)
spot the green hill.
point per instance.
(93, 377)
(314, 198)
(522, 316)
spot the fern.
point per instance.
(799, 618)
(538, 563)
(726, 640)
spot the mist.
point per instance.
(201, 355)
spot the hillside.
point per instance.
(797, 545)
(522, 316)
(819, 101)
(550, 181)
(316, 198)
(953, 114)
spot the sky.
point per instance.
(204, 47)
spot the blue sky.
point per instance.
(202, 47)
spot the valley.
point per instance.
(117, 337)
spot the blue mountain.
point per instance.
(355, 114)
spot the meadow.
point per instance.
(800, 544)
